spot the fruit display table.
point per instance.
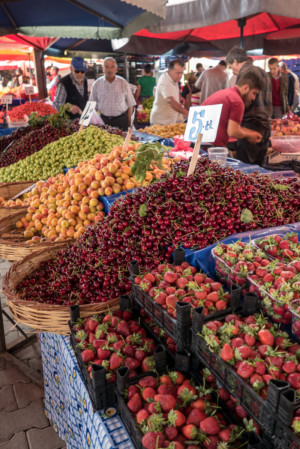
(68, 405)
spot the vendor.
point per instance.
(233, 101)
(73, 89)
(167, 107)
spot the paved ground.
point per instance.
(23, 421)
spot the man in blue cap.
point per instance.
(73, 89)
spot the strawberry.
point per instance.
(165, 379)
(160, 298)
(171, 432)
(294, 380)
(171, 301)
(176, 418)
(128, 351)
(131, 363)
(225, 435)
(227, 353)
(242, 353)
(142, 416)
(199, 278)
(199, 403)
(195, 417)
(87, 355)
(170, 277)
(181, 282)
(296, 424)
(148, 394)
(148, 381)
(223, 394)
(189, 431)
(213, 296)
(289, 367)
(132, 390)
(149, 277)
(148, 364)
(245, 370)
(210, 426)
(91, 324)
(265, 337)
(123, 329)
(167, 389)
(177, 377)
(153, 440)
(166, 401)
(241, 412)
(103, 353)
(115, 361)
(249, 340)
(221, 305)
(135, 403)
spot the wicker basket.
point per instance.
(13, 244)
(43, 317)
(10, 189)
(7, 191)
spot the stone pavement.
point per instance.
(24, 424)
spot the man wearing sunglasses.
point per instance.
(73, 89)
(113, 96)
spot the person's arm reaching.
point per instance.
(238, 132)
(177, 107)
(130, 111)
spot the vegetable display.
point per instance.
(18, 112)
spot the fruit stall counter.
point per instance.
(68, 405)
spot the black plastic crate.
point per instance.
(178, 329)
(102, 393)
(263, 411)
(284, 436)
(254, 441)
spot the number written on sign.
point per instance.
(204, 120)
(29, 90)
(87, 113)
(6, 99)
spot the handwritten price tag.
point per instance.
(29, 90)
(204, 120)
(87, 113)
(6, 99)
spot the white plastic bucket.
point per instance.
(218, 154)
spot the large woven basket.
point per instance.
(13, 244)
(43, 317)
(7, 191)
(10, 189)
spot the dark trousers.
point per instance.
(121, 121)
(253, 153)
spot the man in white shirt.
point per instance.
(167, 108)
(212, 80)
(113, 95)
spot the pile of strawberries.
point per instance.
(172, 412)
(236, 260)
(159, 332)
(286, 248)
(231, 402)
(256, 349)
(277, 284)
(114, 341)
(167, 284)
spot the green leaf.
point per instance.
(281, 187)
(246, 216)
(143, 209)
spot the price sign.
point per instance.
(87, 113)
(29, 90)
(6, 99)
(204, 120)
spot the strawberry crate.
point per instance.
(101, 392)
(295, 311)
(276, 310)
(227, 274)
(281, 246)
(262, 411)
(285, 437)
(177, 328)
(254, 441)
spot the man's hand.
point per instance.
(254, 137)
(185, 113)
(75, 110)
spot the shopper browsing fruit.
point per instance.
(233, 102)
(280, 87)
(72, 89)
(257, 114)
(113, 95)
(167, 107)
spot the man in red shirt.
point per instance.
(234, 100)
